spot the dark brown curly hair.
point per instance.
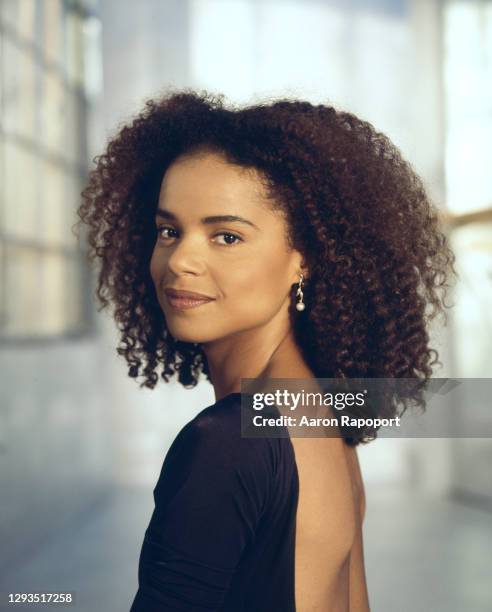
(355, 209)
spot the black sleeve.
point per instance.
(212, 490)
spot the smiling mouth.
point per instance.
(184, 303)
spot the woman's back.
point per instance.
(329, 570)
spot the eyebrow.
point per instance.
(166, 214)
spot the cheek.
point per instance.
(155, 267)
(261, 283)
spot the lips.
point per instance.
(188, 296)
(180, 299)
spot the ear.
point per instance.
(299, 266)
(305, 270)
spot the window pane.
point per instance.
(53, 291)
(2, 285)
(9, 12)
(2, 181)
(57, 208)
(93, 58)
(19, 74)
(61, 308)
(74, 55)
(468, 78)
(52, 42)
(72, 298)
(42, 293)
(52, 216)
(73, 137)
(23, 291)
(472, 314)
(19, 15)
(53, 112)
(21, 192)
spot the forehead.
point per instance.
(208, 179)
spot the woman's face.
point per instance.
(246, 266)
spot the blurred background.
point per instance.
(81, 446)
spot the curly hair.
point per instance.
(355, 209)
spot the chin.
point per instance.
(187, 334)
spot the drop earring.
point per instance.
(300, 306)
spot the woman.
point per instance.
(282, 240)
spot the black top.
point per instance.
(222, 533)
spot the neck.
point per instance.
(260, 353)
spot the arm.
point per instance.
(210, 496)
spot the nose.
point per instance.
(186, 257)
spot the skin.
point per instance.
(245, 332)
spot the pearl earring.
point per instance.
(300, 306)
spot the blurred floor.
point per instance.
(423, 554)
(426, 553)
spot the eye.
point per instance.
(160, 228)
(237, 238)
